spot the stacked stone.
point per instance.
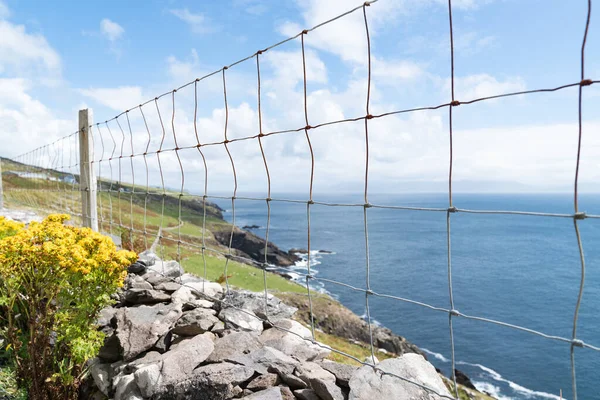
(174, 336)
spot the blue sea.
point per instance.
(523, 270)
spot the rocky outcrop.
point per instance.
(190, 340)
(251, 246)
(333, 318)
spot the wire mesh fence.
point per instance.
(137, 207)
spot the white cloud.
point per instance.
(198, 23)
(4, 11)
(26, 122)
(20, 49)
(111, 30)
(395, 70)
(484, 85)
(119, 99)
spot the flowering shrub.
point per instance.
(9, 227)
(54, 280)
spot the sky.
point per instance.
(112, 56)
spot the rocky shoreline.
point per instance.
(172, 335)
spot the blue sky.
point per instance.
(111, 56)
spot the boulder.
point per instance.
(179, 363)
(273, 393)
(105, 317)
(342, 372)
(367, 383)
(155, 279)
(308, 371)
(194, 322)
(309, 394)
(148, 258)
(208, 382)
(292, 341)
(234, 343)
(102, 375)
(266, 359)
(263, 382)
(137, 268)
(126, 388)
(286, 393)
(255, 302)
(327, 390)
(169, 269)
(146, 296)
(245, 320)
(212, 290)
(139, 328)
(168, 286)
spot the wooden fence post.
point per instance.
(87, 176)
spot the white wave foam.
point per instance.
(521, 390)
(494, 391)
(437, 356)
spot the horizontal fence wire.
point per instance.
(130, 209)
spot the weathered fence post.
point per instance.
(87, 177)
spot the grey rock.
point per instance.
(111, 349)
(234, 343)
(309, 394)
(102, 375)
(366, 383)
(328, 390)
(195, 322)
(286, 393)
(237, 392)
(105, 316)
(183, 295)
(342, 372)
(146, 296)
(139, 328)
(148, 258)
(309, 370)
(142, 284)
(208, 382)
(168, 287)
(267, 394)
(126, 388)
(291, 342)
(148, 358)
(170, 269)
(262, 382)
(218, 328)
(198, 303)
(245, 320)
(149, 378)
(266, 359)
(293, 381)
(179, 363)
(210, 290)
(155, 279)
(255, 302)
(163, 343)
(136, 268)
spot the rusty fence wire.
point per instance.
(53, 171)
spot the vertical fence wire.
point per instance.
(578, 215)
(451, 208)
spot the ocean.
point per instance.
(523, 270)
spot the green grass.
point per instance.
(242, 276)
